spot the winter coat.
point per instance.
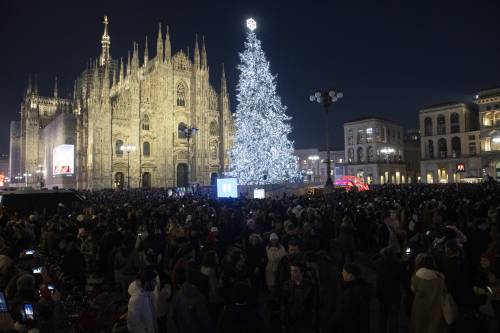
(389, 274)
(426, 312)
(346, 237)
(299, 305)
(274, 255)
(353, 310)
(190, 311)
(141, 315)
(213, 295)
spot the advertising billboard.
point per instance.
(259, 193)
(227, 188)
(63, 160)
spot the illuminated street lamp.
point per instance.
(189, 131)
(128, 148)
(327, 98)
(496, 139)
(26, 175)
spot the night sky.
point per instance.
(389, 58)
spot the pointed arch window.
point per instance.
(118, 145)
(145, 122)
(181, 95)
(213, 128)
(146, 149)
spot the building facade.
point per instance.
(133, 120)
(488, 102)
(374, 151)
(412, 155)
(450, 139)
(15, 150)
(312, 165)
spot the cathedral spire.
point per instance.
(204, 55)
(55, 88)
(196, 54)
(135, 56)
(223, 83)
(146, 53)
(120, 78)
(159, 45)
(129, 64)
(168, 47)
(105, 43)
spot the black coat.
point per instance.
(299, 305)
(353, 310)
(389, 274)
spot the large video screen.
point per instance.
(227, 188)
(63, 160)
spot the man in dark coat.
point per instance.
(299, 302)
(389, 275)
(353, 310)
(190, 311)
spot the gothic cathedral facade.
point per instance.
(151, 123)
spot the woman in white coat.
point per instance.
(275, 251)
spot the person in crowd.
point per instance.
(142, 313)
(299, 302)
(210, 268)
(428, 286)
(283, 271)
(127, 262)
(274, 252)
(389, 277)
(346, 240)
(190, 311)
(353, 311)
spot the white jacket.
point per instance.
(141, 315)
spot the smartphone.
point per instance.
(51, 288)
(489, 289)
(28, 312)
(408, 250)
(3, 303)
(37, 270)
(29, 252)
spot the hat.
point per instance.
(274, 236)
(214, 229)
(352, 269)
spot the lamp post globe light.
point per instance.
(326, 97)
(128, 148)
(189, 131)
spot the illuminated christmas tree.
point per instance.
(262, 152)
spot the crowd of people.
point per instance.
(409, 258)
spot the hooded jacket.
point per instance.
(141, 316)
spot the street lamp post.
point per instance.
(128, 148)
(387, 151)
(189, 131)
(327, 98)
(26, 175)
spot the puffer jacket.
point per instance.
(141, 315)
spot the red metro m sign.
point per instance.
(460, 167)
